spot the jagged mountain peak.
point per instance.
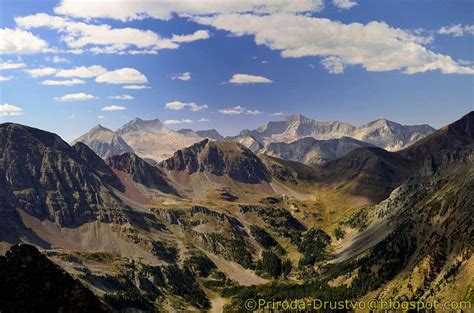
(99, 127)
(41, 174)
(298, 118)
(230, 159)
(104, 142)
(312, 151)
(138, 124)
(211, 134)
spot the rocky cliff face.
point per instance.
(104, 142)
(248, 141)
(296, 127)
(312, 151)
(43, 175)
(390, 135)
(31, 283)
(141, 172)
(219, 158)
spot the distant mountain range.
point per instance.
(382, 133)
(312, 151)
(153, 140)
(155, 235)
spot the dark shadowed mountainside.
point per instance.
(30, 282)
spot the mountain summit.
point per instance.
(104, 142)
(221, 159)
(382, 133)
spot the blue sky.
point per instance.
(408, 61)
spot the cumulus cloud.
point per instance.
(135, 87)
(457, 30)
(10, 110)
(79, 72)
(5, 78)
(82, 71)
(122, 97)
(333, 65)
(239, 79)
(81, 96)
(70, 82)
(18, 41)
(203, 120)
(344, 4)
(177, 105)
(181, 76)
(104, 38)
(41, 72)
(139, 9)
(277, 114)
(113, 108)
(11, 65)
(238, 110)
(175, 122)
(376, 46)
(122, 76)
(198, 35)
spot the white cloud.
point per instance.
(5, 78)
(175, 122)
(376, 46)
(177, 105)
(100, 117)
(122, 76)
(238, 110)
(203, 120)
(113, 108)
(104, 38)
(11, 65)
(125, 10)
(135, 87)
(248, 79)
(333, 65)
(75, 97)
(70, 82)
(10, 109)
(122, 97)
(264, 62)
(277, 114)
(198, 35)
(457, 30)
(56, 59)
(312, 66)
(41, 72)
(181, 76)
(344, 4)
(18, 41)
(82, 71)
